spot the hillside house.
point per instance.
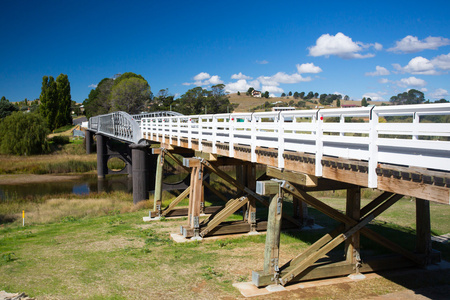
(256, 93)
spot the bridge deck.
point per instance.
(394, 149)
(401, 149)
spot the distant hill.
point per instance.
(246, 103)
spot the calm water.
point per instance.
(84, 185)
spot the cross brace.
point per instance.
(304, 261)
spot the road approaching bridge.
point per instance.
(399, 150)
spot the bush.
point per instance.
(23, 134)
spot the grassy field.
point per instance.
(99, 248)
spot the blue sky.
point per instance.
(374, 49)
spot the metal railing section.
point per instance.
(366, 133)
(119, 125)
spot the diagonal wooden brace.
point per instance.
(243, 188)
(337, 215)
(300, 265)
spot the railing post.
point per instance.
(190, 132)
(319, 143)
(280, 141)
(253, 139)
(200, 131)
(373, 150)
(416, 121)
(214, 134)
(231, 135)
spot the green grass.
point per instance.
(98, 247)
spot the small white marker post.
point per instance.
(23, 218)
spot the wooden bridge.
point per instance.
(399, 150)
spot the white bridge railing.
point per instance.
(367, 134)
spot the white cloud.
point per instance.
(340, 45)
(215, 80)
(239, 86)
(202, 76)
(379, 71)
(240, 76)
(262, 62)
(417, 65)
(308, 68)
(411, 44)
(424, 90)
(442, 61)
(271, 89)
(383, 80)
(374, 96)
(204, 79)
(439, 94)
(93, 86)
(412, 81)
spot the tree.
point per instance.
(198, 101)
(290, 93)
(249, 91)
(346, 98)
(310, 95)
(238, 93)
(316, 95)
(49, 101)
(266, 94)
(23, 134)
(130, 95)
(302, 95)
(63, 115)
(338, 102)
(410, 97)
(296, 95)
(283, 94)
(6, 108)
(322, 99)
(162, 101)
(364, 102)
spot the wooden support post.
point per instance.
(251, 205)
(195, 197)
(353, 210)
(157, 201)
(423, 229)
(272, 246)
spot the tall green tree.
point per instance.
(63, 116)
(130, 95)
(6, 108)
(23, 134)
(49, 101)
(364, 102)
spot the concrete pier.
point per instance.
(139, 156)
(89, 138)
(102, 153)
